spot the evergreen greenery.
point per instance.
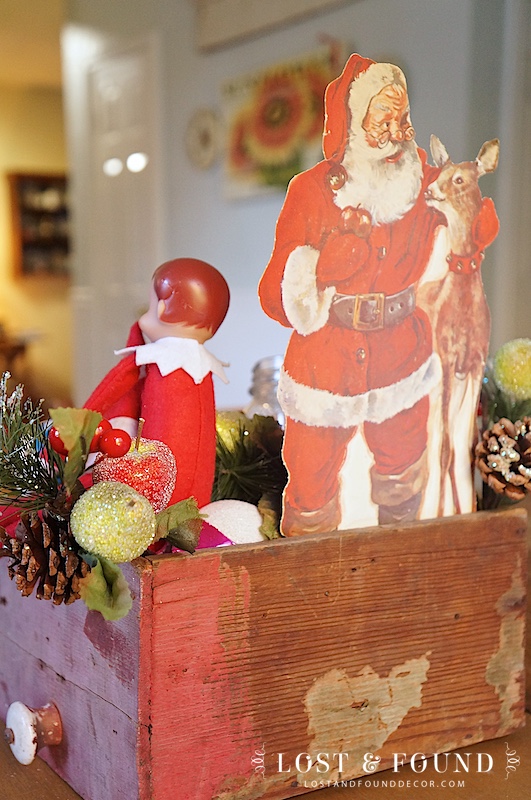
(250, 466)
(31, 473)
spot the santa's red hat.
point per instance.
(348, 96)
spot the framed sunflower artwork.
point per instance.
(274, 121)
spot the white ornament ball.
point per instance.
(114, 521)
(237, 520)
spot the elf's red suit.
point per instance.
(176, 410)
(361, 351)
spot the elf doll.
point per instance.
(165, 375)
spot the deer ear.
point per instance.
(438, 151)
(487, 158)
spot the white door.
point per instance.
(111, 112)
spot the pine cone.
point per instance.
(45, 557)
(503, 458)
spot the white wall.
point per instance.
(434, 41)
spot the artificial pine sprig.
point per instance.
(31, 473)
(250, 466)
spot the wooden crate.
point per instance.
(384, 640)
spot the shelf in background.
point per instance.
(40, 224)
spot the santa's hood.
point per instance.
(347, 98)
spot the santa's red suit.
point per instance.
(361, 351)
(176, 403)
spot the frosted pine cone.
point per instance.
(503, 458)
(44, 558)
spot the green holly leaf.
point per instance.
(105, 589)
(73, 423)
(76, 427)
(181, 524)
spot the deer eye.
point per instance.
(458, 179)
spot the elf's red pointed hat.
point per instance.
(348, 96)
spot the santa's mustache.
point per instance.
(359, 152)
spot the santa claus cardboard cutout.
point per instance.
(353, 243)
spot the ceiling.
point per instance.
(30, 42)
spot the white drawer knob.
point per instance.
(30, 729)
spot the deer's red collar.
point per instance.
(464, 265)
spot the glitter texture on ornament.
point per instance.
(150, 469)
(114, 521)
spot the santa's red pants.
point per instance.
(314, 456)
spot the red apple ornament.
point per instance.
(149, 467)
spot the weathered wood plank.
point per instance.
(380, 640)
(90, 668)
(145, 615)
(97, 655)
(97, 754)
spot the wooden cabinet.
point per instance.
(40, 224)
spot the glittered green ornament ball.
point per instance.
(229, 426)
(512, 368)
(114, 521)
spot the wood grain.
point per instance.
(364, 609)
(39, 782)
(406, 639)
(89, 668)
(97, 754)
(79, 645)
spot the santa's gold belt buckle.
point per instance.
(368, 314)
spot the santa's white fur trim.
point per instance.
(320, 408)
(305, 306)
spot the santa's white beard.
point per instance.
(387, 190)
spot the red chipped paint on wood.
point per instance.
(199, 699)
(144, 761)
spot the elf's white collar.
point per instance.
(171, 353)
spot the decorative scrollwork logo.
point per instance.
(258, 761)
(370, 762)
(513, 760)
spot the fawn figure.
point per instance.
(460, 316)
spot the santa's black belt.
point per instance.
(372, 311)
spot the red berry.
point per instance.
(56, 442)
(115, 442)
(104, 425)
